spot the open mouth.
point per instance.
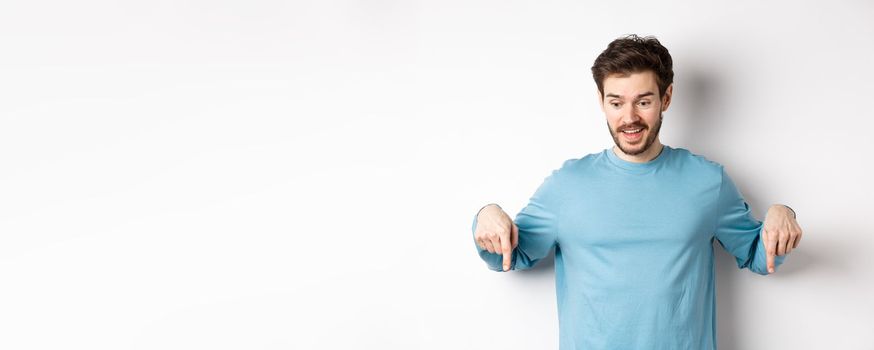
(632, 134)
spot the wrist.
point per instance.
(787, 207)
(486, 206)
(792, 210)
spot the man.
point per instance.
(633, 225)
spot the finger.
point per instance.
(770, 249)
(496, 244)
(508, 251)
(782, 240)
(793, 239)
(483, 243)
(515, 238)
(797, 238)
(488, 245)
(789, 242)
(793, 242)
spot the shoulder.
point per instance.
(570, 168)
(693, 162)
(556, 186)
(573, 166)
(588, 160)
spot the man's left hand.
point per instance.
(780, 233)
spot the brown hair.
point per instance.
(633, 54)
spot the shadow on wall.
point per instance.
(700, 109)
(704, 111)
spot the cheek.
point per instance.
(613, 117)
(651, 116)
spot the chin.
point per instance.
(632, 150)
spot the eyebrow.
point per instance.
(645, 94)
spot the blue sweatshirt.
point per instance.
(634, 247)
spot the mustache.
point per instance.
(632, 127)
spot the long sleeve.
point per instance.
(738, 232)
(538, 229)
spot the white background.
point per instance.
(303, 175)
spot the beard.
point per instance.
(634, 150)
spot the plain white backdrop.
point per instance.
(303, 174)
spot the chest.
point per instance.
(634, 212)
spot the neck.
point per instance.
(644, 157)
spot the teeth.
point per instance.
(631, 131)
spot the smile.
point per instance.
(633, 134)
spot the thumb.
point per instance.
(515, 239)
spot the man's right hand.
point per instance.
(497, 233)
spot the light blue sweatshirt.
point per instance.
(633, 247)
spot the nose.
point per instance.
(629, 115)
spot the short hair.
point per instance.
(633, 54)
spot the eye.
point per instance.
(615, 104)
(645, 103)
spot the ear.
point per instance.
(666, 100)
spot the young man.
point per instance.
(633, 225)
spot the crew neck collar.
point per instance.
(637, 168)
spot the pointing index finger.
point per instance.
(508, 252)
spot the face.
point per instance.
(632, 103)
